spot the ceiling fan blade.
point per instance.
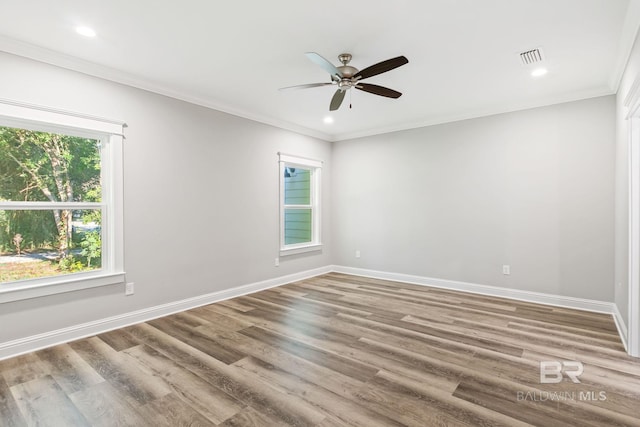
(307, 86)
(336, 101)
(379, 90)
(381, 67)
(322, 62)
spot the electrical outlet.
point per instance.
(128, 289)
(357, 254)
(277, 263)
(506, 269)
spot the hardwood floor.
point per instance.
(335, 350)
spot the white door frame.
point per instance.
(632, 103)
(633, 335)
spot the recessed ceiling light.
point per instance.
(85, 31)
(328, 120)
(539, 72)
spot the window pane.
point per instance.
(43, 166)
(297, 186)
(44, 243)
(297, 226)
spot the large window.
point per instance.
(60, 202)
(299, 204)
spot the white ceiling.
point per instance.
(233, 56)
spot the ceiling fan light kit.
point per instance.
(346, 77)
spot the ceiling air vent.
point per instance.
(530, 57)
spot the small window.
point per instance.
(60, 202)
(299, 204)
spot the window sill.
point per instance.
(68, 283)
(301, 249)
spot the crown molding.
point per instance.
(475, 114)
(48, 56)
(58, 59)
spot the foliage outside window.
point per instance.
(50, 204)
(299, 207)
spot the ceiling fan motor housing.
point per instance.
(347, 71)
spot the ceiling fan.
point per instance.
(347, 77)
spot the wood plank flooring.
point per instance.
(335, 350)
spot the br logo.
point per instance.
(552, 371)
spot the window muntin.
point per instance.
(299, 207)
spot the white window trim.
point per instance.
(109, 132)
(316, 219)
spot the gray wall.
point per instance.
(533, 189)
(201, 197)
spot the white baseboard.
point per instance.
(37, 342)
(622, 327)
(528, 296)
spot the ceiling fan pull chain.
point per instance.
(350, 99)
